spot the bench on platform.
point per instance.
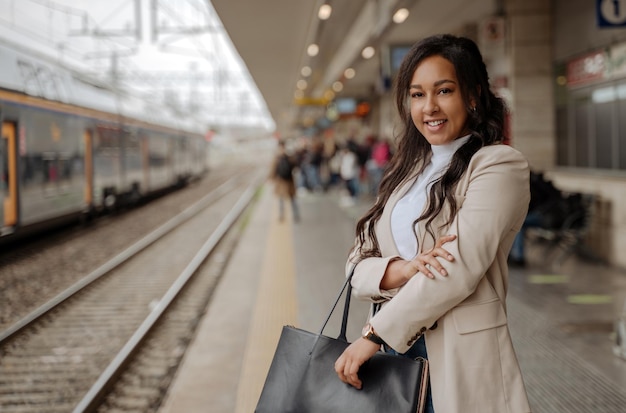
(566, 233)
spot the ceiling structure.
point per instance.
(166, 54)
(272, 37)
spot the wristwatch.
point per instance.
(369, 334)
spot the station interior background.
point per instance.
(250, 73)
(559, 64)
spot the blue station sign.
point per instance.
(611, 13)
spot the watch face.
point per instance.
(367, 329)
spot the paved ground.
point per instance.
(284, 273)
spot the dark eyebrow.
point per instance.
(437, 83)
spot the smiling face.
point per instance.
(437, 107)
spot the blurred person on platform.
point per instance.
(333, 165)
(543, 212)
(329, 148)
(349, 170)
(431, 253)
(284, 185)
(376, 164)
(310, 165)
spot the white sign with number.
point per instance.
(613, 11)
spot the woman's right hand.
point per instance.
(427, 261)
(400, 271)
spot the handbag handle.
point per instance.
(346, 307)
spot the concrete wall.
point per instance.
(529, 47)
(538, 34)
(607, 236)
(575, 32)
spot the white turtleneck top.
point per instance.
(412, 204)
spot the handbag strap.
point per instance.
(346, 307)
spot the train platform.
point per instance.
(562, 321)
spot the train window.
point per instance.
(65, 168)
(59, 168)
(50, 168)
(131, 139)
(108, 137)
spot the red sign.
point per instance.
(586, 69)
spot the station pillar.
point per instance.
(533, 132)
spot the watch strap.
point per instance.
(373, 337)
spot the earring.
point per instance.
(474, 109)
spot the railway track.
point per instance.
(38, 269)
(68, 355)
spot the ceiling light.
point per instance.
(306, 71)
(302, 84)
(312, 50)
(368, 52)
(324, 11)
(401, 15)
(337, 86)
(349, 73)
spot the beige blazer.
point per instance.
(473, 367)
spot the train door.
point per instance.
(88, 137)
(8, 177)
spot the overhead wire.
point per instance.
(88, 51)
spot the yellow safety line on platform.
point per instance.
(275, 307)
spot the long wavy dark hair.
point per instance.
(485, 122)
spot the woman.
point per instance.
(451, 183)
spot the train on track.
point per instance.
(71, 147)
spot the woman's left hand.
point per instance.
(400, 271)
(348, 364)
(426, 261)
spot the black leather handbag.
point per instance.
(302, 377)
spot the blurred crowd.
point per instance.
(354, 167)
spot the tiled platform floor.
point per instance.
(561, 321)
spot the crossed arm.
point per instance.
(397, 274)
